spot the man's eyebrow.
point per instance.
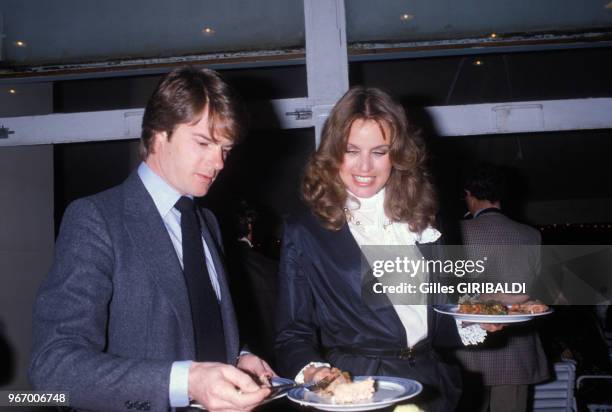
(229, 145)
(205, 137)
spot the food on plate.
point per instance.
(483, 308)
(342, 389)
(352, 392)
(531, 307)
(470, 305)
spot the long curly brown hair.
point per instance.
(409, 193)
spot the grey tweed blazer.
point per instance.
(513, 355)
(113, 312)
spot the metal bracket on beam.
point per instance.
(300, 114)
(5, 132)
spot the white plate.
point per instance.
(452, 310)
(276, 380)
(389, 390)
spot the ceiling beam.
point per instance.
(375, 51)
(145, 67)
(522, 117)
(460, 120)
(356, 52)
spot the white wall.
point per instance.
(26, 228)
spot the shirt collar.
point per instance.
(374, 204)
(246, 240)
(164, 196)
(374, 207)
(486, 210)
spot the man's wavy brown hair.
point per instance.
(409, 193)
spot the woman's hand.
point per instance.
(492, 327)
(489, 327)
(315, 374)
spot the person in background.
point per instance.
(254, 280)
(497, 374)
(135, 313)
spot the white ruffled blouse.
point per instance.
(369, 225)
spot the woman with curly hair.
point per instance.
(367, 184)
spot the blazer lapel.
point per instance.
(381, 304)
(148, 232)
(230, 325)
(431, 251)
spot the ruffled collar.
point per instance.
(364, 204)
(368, 214)
(369, 211)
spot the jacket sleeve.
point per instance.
(445, 333)
(70, 325)
(297, 340)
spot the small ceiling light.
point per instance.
(608, 6)
(209, 31)
(12, 91)
(20, 43)
(406, 17)
(493, 35)
(478, 62)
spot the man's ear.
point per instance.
(469, 199)
(158, 138)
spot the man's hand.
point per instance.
(255, 366)
(220, 387)
(315, 374)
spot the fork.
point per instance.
(322, 384)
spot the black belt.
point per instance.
(402, 354)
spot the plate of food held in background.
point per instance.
(476, 310)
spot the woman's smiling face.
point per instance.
(366, 166)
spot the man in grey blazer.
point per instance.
(498, 373)
(115, 320)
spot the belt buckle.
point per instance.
(407, 354)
